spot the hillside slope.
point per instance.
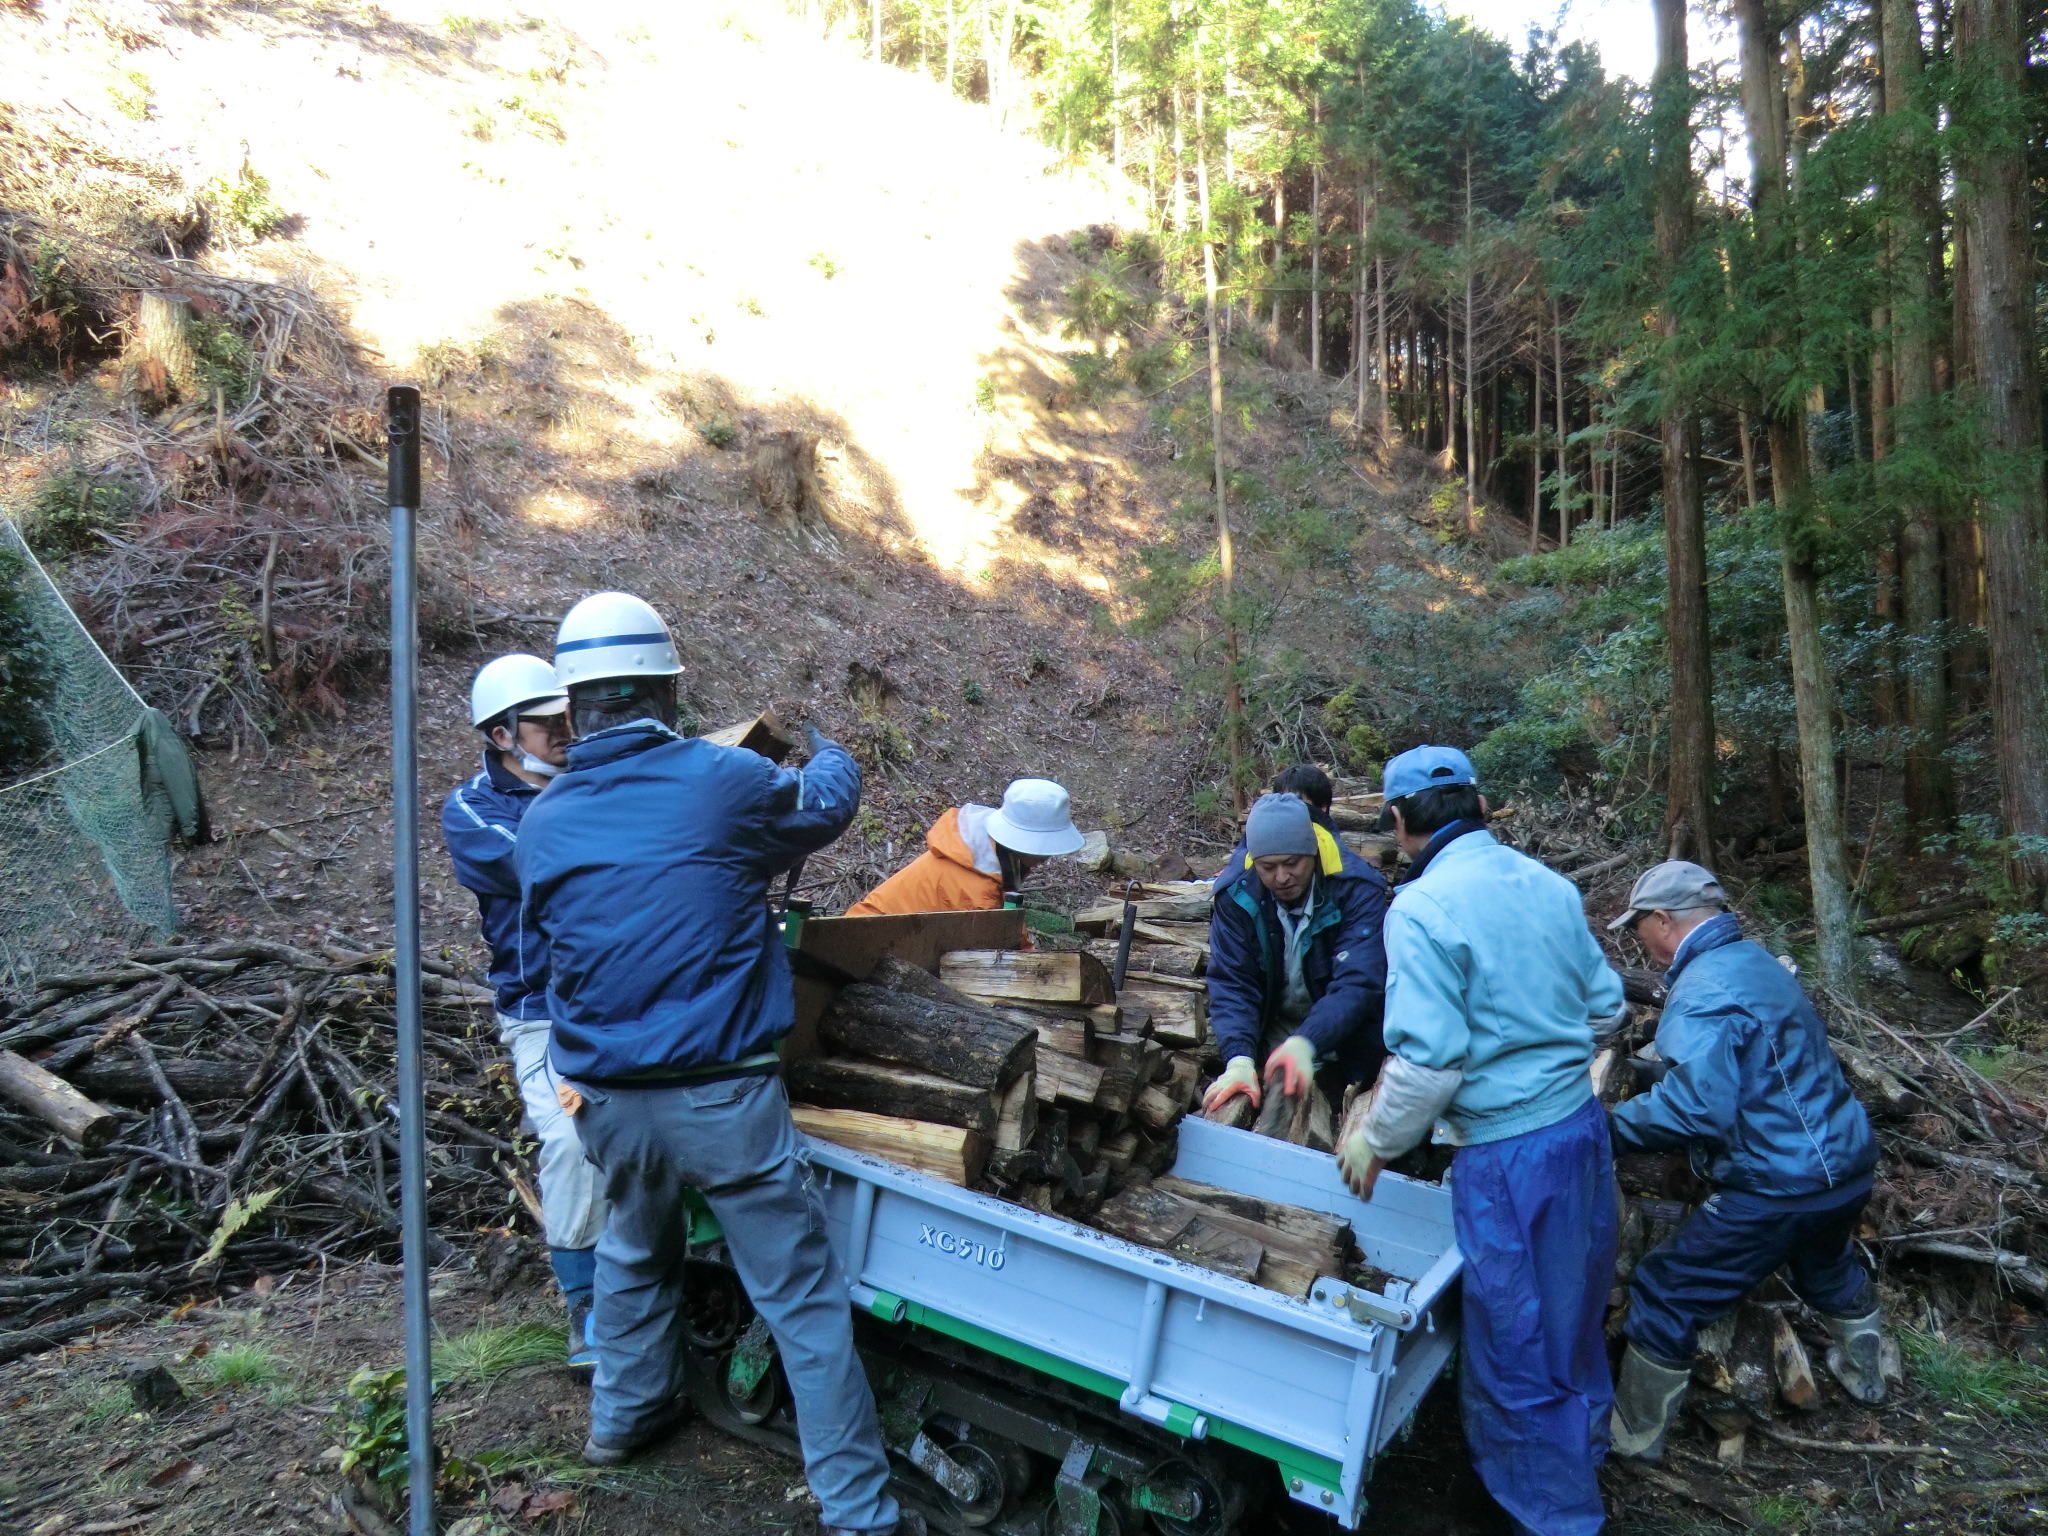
(623, 248)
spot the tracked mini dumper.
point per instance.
(1039, 1378)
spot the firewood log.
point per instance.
(840, 1082)
(947, 1152)
(1017, 1113)
(1067, 1079)
(1032, 976)
(1180, 1018)
(55, 1102)
(1071, 1031)
(1155, 1219)
(969, 1045)
(1304, 1120)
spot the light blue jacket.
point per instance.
(1754, 1093)
(1492, 971)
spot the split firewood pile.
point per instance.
(1961, 1184)
(197, 1112)
(1026, 1075)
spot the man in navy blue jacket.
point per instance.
(522, 712)
(1297, 971)
(1753, 1092)
(647, 866)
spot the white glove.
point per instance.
(1405, 1104)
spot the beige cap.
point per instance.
(1673, 886)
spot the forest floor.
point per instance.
(256, 1445)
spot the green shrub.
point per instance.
(718, 432)
(244, 204)
(242, 1365)
(25, 672)
(69, 510)
(223, 360)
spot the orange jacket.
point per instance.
(941, 879)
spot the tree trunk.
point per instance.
(1689, 809)
(1929, 794)
(1471, 442)
(1362, 351)
(1315, 255)
(1116, 88)
(1379, 274)
(157, 366)
(1563, 494)
(1279, 245)
(1813, 694)
(1995, 206)
(1226, 557)
(1536, 447)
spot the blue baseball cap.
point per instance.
(1426, 768)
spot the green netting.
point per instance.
(84, 849)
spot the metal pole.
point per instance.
(404, 499)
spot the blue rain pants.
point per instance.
(1535, 1218)
(1731, 1244)
(732, 1141)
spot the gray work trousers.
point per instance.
(733, 1142)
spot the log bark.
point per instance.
(129, 1081)
(1305, 1120)
(1688, 816)
(837, 1082)
(900, 975)
(1127, 1062)
(1154, 1219)
(55, 1102)
(1995, 211)
(968, 1045)
(948, 1152)
(1329, 1235)
(1031, 976)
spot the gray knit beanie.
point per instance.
(1279, 827)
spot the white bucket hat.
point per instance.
(1034, 819)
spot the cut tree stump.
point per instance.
(158, 366)
(947, 1152)
(55, 1102)
(782, 469)
(968, 1045)
(838, 1082)
(1029, 976)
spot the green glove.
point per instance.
(1293, 1062)
(1240, 1076)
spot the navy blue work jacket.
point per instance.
(1754, 1093)
(1344, 964)
(480, 824)
(646, 867)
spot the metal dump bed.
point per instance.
(1318, 1385)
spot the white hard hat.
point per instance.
(613, 634)
(518, 681)
(1034, 819)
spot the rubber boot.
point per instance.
(576, 1274)
(1857, 1355)
(1646, 1400)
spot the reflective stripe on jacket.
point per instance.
(1754, 1092)
(646, 867)
(480, 824)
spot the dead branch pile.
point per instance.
(223, 501)
(200, 1112)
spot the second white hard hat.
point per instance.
(511, 682)
(613, 634)
(1034, 818)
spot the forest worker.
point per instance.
(646, 868)
(1313, 788)
(973, 853)
(1753, 1092)
(519, 707)
(1296, 970)
(1494, 989)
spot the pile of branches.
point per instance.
(224, 533)
(244, 1120)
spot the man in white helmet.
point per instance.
(647, 867)
(523, 714)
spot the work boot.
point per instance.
(599, 1453)
(582, 1349)
(1646, 1400)
(1857, 1355)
